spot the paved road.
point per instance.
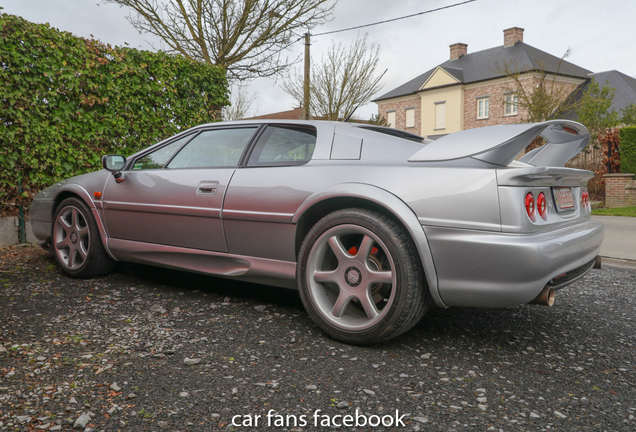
(620, 237)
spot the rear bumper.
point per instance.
(493, 270)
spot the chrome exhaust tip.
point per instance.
(545, 297)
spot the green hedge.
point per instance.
(65, 101)
(628, 149)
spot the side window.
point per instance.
(158, 158)
(281, 145)
(213, 149)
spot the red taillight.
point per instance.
(541, 205)
(530, 205)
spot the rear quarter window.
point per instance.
(282, 145)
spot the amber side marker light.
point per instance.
(97, 195)
(572, 131)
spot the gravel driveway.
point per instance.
(147, 349)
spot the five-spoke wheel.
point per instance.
(360, 278)
(71, 237)
(76, 242)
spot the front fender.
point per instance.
(393, 205)
(62, 190)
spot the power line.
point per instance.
(395, 19)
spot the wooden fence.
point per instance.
(590, 159)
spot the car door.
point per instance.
(264, 195)
(174, 194)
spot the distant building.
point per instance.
(469, 90)
(293, 114)
(624, 86)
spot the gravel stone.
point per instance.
(81, 421)
(24, 419)
(69, 346)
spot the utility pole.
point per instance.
(306, 113)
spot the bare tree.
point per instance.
(540, 94)
(241, 104)
(246, 37)
(344, 78)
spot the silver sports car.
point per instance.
(371, 224)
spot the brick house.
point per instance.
(469, 90)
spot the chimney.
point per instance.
(457, 50)
(512, 36)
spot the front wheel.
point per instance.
(360, 277)
(76, 243)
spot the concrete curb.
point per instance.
(615, 262)
(9, 232)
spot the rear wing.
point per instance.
(500, 145)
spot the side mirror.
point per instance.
(114, 163)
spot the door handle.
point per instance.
(207, 188)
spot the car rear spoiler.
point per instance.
(501, 144)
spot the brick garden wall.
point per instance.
(620, 190)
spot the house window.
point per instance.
(483, 108)
(410, 117)
(390, 118)
(440, 115)
(511, 104)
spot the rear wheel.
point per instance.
(360, 278)
(76, 243)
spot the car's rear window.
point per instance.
(396, 133)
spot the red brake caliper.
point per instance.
(354, 250)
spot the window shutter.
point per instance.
(390, 118)
(410, 118)
(440, 116)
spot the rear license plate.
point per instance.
(563, 198)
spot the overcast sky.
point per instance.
(600, 33)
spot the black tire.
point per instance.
(76, 242)
(360, 277)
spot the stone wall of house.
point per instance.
(495, 93)
(620, 190)
(497, 96)
(400, 108)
